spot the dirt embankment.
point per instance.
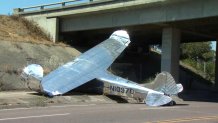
(14, 56)
(19, 29)
(22, 42)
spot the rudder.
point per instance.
(164, 82)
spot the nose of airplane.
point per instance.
(32, 75)
(121, 36)
(121, 33)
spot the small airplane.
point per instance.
(93, 64)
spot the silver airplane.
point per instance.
(93, 64)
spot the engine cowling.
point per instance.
(32, 75)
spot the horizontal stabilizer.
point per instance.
(179, 88)
(157, 99)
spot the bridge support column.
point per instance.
(170, 51)
(53, 28)
(216, 67)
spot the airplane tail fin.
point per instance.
(33, 74)
(165, 83)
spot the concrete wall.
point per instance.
(49, 25)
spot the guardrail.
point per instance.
(42, 7)
(56, 5)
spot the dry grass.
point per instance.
(31, 28)
(19, 29)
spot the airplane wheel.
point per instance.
(172, 103)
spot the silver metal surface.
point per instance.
(33, 70)
(164, 82)
(123, 87)
(87, 66)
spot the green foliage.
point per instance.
(195, 50)
(208, 56)
(149, 80)
(201, 57)
(190, 62)
(210, 70)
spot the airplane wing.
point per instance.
(66, 78)
(152, 97)
(85, 67)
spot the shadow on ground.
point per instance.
(199, 95)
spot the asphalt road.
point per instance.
(193, 112)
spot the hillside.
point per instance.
(23, 43)
(14, 28)
(16, 55)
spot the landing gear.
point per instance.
(171, 103)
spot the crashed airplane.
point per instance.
(93, 64)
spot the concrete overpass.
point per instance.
(169, 22)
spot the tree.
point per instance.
(200, 56)
(208, 56)
(199, 50)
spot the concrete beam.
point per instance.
(135, 13)
(170, 51)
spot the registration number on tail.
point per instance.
(121, 89)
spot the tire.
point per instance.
(172, 103)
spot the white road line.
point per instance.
(159, 108)
(14, 109)
(28, 117)
(63, 106)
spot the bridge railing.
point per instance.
(42, 7)
(63, 4)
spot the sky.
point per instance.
(213, 45)
(7, 6)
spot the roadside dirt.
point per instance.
(18, 99)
